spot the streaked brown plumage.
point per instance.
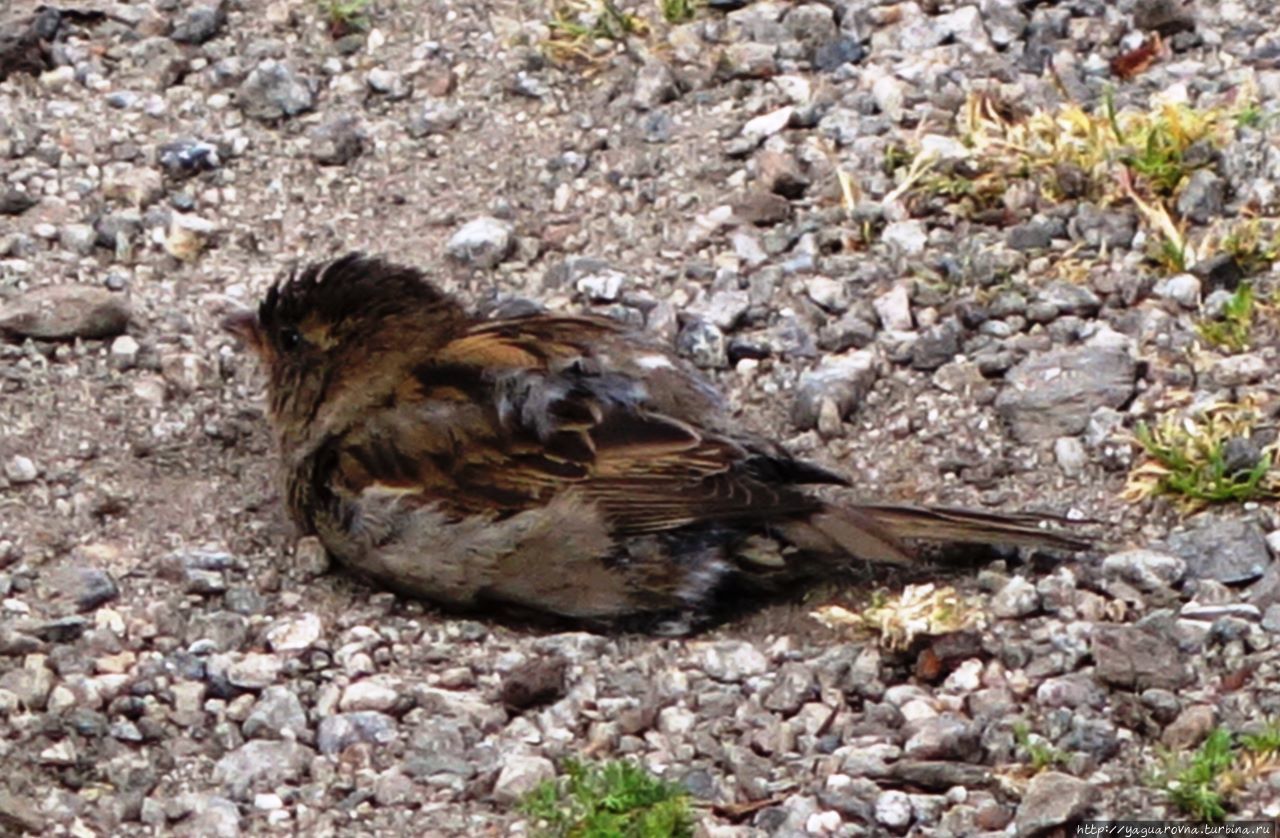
(554, 462)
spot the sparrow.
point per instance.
(554, 463)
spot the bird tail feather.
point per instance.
(878, 532)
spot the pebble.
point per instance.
(482, 242)
(61, 312)
(19, 469)
(520, 774)
(294, 634)
(731, 661)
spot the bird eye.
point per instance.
(290, 338)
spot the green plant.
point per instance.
(612, 800)
(1040, 753)
(1231, 331)
(678, 11)
(1195, 785)
(1187, 458)
(345, 16)
(576, 24)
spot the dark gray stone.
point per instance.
(1229, 550)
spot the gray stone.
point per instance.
(339, 732)
(261, 762)
(19, 470)
(936, 345)
(655, 85)
(1227, 549)
(199, 24)
(1070, 691)
(90, 588)
(893, 809)
(1032, 235)
(1147, 570)
(943, 737)
(1183, 289)
(703, 343)
(520, 775)
(749, 60)
(273, 91)
(483, 242)
(1017, 598)
(1052, 394)
(278, 714)
(894, 309)
(1139, 656)
(843, 380)
(731, 660)
(336, 141)
(433, 116)
(78, 238)
(212, 816)
(1052, 799)
(1070, 454)
(60, 312)
(1202, 197)
(909, 237)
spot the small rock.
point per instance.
(655, 85)
(433, 116)
(702, 342)
(374, 693)
(893, 809)
(520, 775)
(272, 91)
(13, 202)
(341, 731)
(1190, 728)
(294, 634)
(199, 24)
(894, 309)
(482, 242)
(1147, 570)
(254, 670)
(1139, 656)
(909, 237)
(1183, 289)
(1202, 197)
(1017, 598)
(277, 714)
(336, 141)
(61, 312)
(843, 380)
(1052, 799)
(943, 737)
(749, 60)
(90, 588)
(389, 83)
(766, 125)
(1230, 550)
(19, 469)
(731, 661)
(78, 238)
(1071, 456)
(1052, 394)
(261, 760)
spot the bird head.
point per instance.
(335, 334)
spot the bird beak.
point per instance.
(243, 323)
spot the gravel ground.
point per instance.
(751, 185)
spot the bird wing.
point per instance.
(513, 413)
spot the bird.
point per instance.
(555, 464)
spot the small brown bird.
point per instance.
(558, 463)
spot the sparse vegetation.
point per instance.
(920, 610)
(678, 11)
(1039, 753)
(345, 16)
(1106, 156)
(1193, 458)
(1201, 784)
(1232, 330)
(613, 800)
(577, 25)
